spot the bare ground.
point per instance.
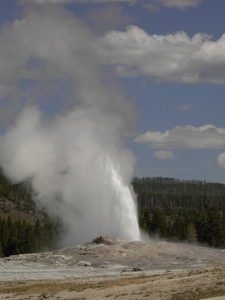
(136, 270)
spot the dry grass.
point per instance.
(187, 295)
(191, 284)
(202, 290)
(57, 286)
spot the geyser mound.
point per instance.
(104, 239)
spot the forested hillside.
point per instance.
(192, 211)
(23, 227)
(182, 210)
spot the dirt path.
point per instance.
(186, 285)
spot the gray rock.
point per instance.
(103, 239)
(84, 263)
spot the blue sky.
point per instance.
(169, 56)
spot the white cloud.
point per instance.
(149, 3)
(181, 4)
(45, 1)
(185, 137)
(221, 160)
(77, 1)
(165, 154)
(155, 5)
(172, 57)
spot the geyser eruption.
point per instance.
(75, 158)
(116, 203)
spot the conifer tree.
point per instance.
(1, 252)
(215, 231)
(191, 233)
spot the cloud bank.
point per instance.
(168, 3)
(157, 4)
(172, 57)
(179, 4)
(185, 137)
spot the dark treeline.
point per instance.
(24, 228)
(19, 194)
(192, 211)
(23, 237)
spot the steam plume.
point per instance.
(75, 158)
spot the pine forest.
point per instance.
(168, 208)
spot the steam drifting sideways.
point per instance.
(68, 142)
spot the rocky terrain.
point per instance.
(116, 269)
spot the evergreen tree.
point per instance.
(5, 238)
(178, 230)
(158, 222)
(29, 239)
(215, 230)
(191, 233)
(1, 252)
(201, 226)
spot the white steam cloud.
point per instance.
(76, 159)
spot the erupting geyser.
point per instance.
(75, 158)
(117, 210)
